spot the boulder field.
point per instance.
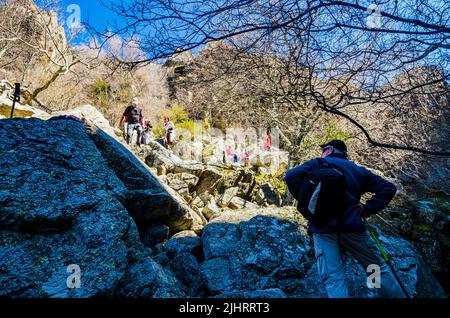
(73, 195)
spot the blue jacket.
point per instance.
(358, 180)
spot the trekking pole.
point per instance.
(385, 257)
(16, 98)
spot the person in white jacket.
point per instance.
(169, 135)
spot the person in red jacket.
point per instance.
(267, 143)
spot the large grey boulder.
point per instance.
(226, 197)
(92, 114)
(42, 160)
(267, 194)
(238, 203)
(184, 242)
(260, 249)
(61, 205)
(156, 156)
(147, 278)
(254, 250)
(147, 200)
(184, 254)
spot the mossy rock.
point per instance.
(208, 151)
(422, 228)
(276, 181)
(5, 110)
(403, 201)
(228, 171)
(441, 204)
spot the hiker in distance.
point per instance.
(169, 129)
(135, 121)
(329, 190)
(147, 132)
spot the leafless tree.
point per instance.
(349, 52)
(34, 48)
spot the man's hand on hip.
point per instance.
(361, 210)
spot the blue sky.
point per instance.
(92, 11)
(100, 17)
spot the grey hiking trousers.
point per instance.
(130, 129)
(360, 245)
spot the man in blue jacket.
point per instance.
(349, 233)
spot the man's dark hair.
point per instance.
(336, 144)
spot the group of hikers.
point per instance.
(328, 191)
(235, 156)
(241, 155)
(134, 118)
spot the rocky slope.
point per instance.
(209, 188)
(61, 204)
(212, 188)
(70, 193)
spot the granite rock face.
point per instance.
(147, 199)
(254, 250)
(251, 250)
(62, 213)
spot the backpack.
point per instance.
(147, 125)
(133, 114)
(322, 193)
